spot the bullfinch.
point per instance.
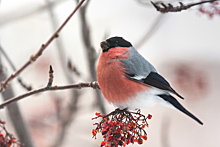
(128, 80)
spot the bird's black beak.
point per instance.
(105, 46)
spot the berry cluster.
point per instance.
(121, 127)
(7, 139)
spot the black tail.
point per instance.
(177, 105)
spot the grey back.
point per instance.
(137, 65)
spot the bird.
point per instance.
(128, 81)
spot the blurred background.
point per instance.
(183, 46)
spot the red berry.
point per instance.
(140, 141)
(102, 143)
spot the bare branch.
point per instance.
(93, 85)
(171, 8)
(14, 68)
(35, 56)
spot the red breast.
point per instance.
(115, 87)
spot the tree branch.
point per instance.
(35, 56)
(93, 85)
(90, 53)
(170, 8)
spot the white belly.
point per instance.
(144, 100)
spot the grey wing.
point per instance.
(140, 70)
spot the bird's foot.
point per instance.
(118, 110)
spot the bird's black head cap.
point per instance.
(114, 42)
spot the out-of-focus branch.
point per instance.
(25, 11)
(93, 85)
(171, 8)
(72, 68)
(35, 56)
(13, 67)
(90, 52)
(15, 114)
(165, 130)
(152, 30)
(65, 120)
(71, 108)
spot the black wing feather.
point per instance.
(156, 80)
(177, 105)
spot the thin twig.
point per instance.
(93, 85)
(171, 8)
(14, 68)
(59, 44)
(50, 81)
(35, 56)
